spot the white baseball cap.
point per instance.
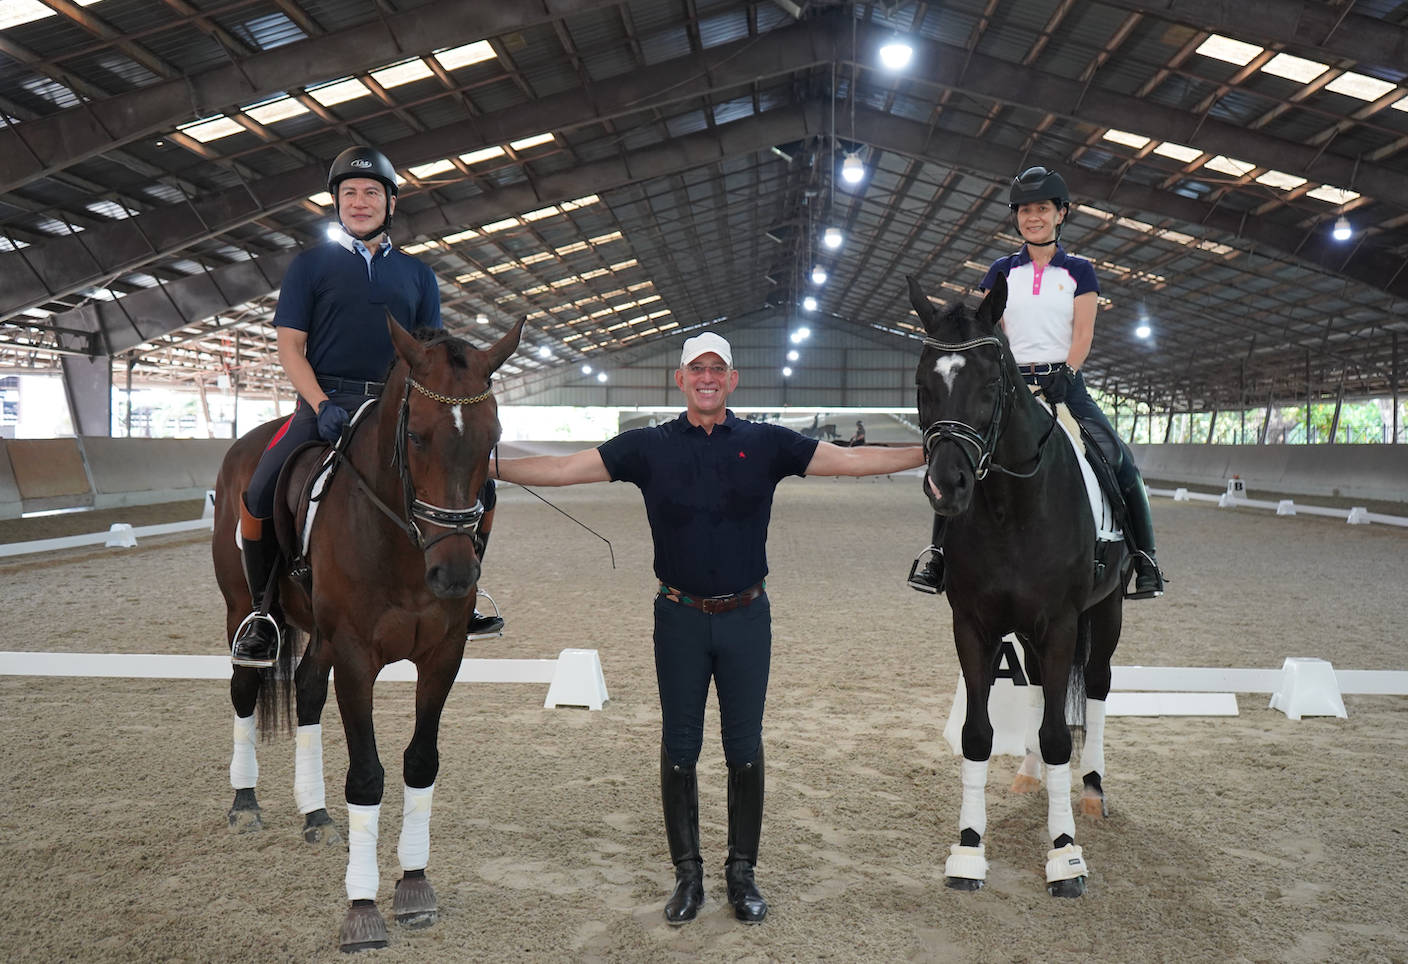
(704, 343)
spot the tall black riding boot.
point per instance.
(745, 826)
(257, 640)
(479, 624)
(1148, 579)
(930, 577)
(679, 794)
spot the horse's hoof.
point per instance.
(245, 815)
(415, 902)
(1093, 805)
(1022, 783)
(318, 828)
(1074, 887)
(963, 883)
(362, 929)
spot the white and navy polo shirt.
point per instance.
(1039, 319)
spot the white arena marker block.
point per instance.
(577, 681)
(121, 536)
(1224, 500)
(1236, 488)
(1358, 516)
(1286, 507)
(1308, 688)
(1007, 708)
(1180, 495)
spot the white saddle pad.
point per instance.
(1106, 530)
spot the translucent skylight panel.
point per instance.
(109, 209)
(322, 198)
(1400, 104)
(1294, 68)
(535, 258)
(1280, 179)
(582, 202)
(1178, 152)
(276, 110)
(1357, 85)
(493, 226)
(605, 238)
(210, 130)
(527, 142)
(339, 91)
(1135, 141)
(1229, 165)
(431, 169)
(457, 57)
(541, 213)
(1226, 49)
(402, 73)
(1332, 194)
(459, 236)
(483, 154)
(16, 12)
(623, 265)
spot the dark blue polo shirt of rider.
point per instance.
(708, 496)
(341, 300)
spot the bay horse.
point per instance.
(1021, 556)
(391, 573)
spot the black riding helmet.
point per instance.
(363, 162)
(1040, 184)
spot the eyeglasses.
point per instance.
(718, 371)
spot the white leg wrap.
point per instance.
(414, 847)
(1067, 863)
(244, 769)
(308, 769)
(1092, 756)
(1059, 817)
(362, 876)
(973, 813)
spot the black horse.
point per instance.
(1022, 558)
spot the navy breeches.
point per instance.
(301, 426)
(732, 648)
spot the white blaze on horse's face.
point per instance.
(947, 366)
(457, 413)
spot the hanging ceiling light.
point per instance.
(818, 275)
(793, 355)
(601, 376)
(586, 369)
(1143, 331)
(852, 169)
(787, 372)
(544, 351)
(896, 53)
(481, 319)
(832, 238)
(809, 303)
(1343, 231)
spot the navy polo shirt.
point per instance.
(708, 496)
(340, 299)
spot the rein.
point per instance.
(966, 436)
(457, 521)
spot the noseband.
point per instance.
(981, 444)
(456, 521)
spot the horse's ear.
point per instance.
(995, 304)
(505, 346)
(405, 343)
(922, 306)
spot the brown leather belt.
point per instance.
(714, 604)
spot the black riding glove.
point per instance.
(331, 420)
(1060, 384)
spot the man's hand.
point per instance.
(1061, 381)
(331, 420)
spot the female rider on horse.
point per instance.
(334, 348)
(1050, 324)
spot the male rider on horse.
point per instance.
(1050, 324)
(334, 348)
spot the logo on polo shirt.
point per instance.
(742, 454)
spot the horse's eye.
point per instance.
(415, 440)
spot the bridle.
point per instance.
(456, 521)
(981, 444)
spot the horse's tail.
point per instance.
(274, 707)
(1075, 686)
